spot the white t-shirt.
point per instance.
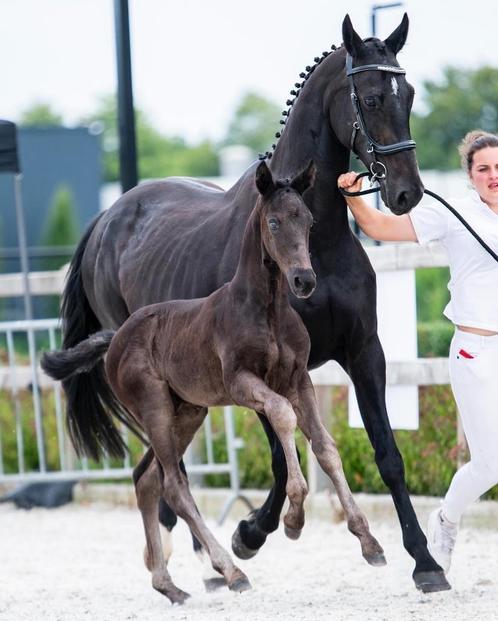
(474, 272)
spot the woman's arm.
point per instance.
(374, 223)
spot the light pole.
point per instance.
(373, 17)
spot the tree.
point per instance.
(255, 123)
(61, 225)
(463, 100)
(60, 229)
(40, 114)
(158, 155)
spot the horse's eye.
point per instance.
(273, 224)
(370, 102)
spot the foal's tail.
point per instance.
(61, 365)
(91, 404)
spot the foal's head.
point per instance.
(285, 225)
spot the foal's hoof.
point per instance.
(240, 549)
(240, 585)
(292, 533)
(376, 560)
(213, 584)
(431, 581)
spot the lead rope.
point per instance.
(429, 193)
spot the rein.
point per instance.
(433, 195)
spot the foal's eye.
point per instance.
(273, 224)
(370, 102)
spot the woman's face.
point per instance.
(484, 174)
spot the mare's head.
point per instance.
(285, 223)
(370, 110)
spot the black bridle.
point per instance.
(377, 168)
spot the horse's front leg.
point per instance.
(250, 534)
(325, 450)
(367, 369)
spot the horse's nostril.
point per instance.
(402, 199)
(298, 283)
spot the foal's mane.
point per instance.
(298, 87)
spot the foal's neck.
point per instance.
(258, 280)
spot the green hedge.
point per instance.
(430, 453)
(434, 338)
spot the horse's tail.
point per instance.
(90, 400)
(61, 365)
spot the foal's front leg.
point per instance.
(325, 450)
(249, 390)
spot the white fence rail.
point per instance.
(16, 376)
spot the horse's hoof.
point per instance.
(213, 584)
(431, 581)
(240, 549)
(292, 533)
(376, 560)
(240, 584)
(178, 596)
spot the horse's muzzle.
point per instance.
(302, 282)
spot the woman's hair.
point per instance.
(472, 142)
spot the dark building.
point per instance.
(49, 158)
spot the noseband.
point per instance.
(377, 169)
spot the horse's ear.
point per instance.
(352, 40)
(397, 39)
(304, 179)
(264, 179)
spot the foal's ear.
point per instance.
(304, 179)
(352, 40)
(397, 39)
(264, 179)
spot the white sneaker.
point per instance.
(441, 537)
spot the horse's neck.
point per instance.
(307, 136)
(257, 280)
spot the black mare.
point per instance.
(180, 238)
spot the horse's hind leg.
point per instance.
(148, 488)
(328, 457)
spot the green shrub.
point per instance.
(434, 338)
(430, 453)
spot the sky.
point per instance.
(192, 60)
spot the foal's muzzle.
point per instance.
(302, 282)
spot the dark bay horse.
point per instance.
(242, 344)
(180, 238)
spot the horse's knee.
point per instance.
(281, 414)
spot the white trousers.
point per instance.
(473, 367)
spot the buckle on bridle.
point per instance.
(379, 174)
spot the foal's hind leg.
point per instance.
(158, 417)
(329, 459)
(188, 420)
(148, 490)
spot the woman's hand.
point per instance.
(348, 182)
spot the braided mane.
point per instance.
(298, 87)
